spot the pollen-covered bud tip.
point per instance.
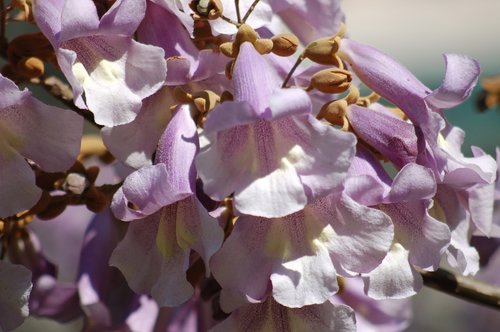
(285, 44)
(75, 183)
(331, 80)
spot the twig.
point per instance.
(462, 287)
(228, 20)
(290, 73)
(238, 14)
(250, 10)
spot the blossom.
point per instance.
(169, 221)
(99, 57)
(266, 147)
(47, 135)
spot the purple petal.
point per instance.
(18, 191)
(54, 145)
(394, 138)
(359, 238)
(111, 65)
(15, 285)
(135, 142)
(413, 182)
(78, 18)
(395, 278)
(152, 261)
(461, 75)
(123, 17)
(48, 18)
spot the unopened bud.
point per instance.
(285, 44)
(228, 49)
(31, 67)
(331, 80)
(263, 46)
(182, 96)
(323, 51)
(245, 34)
(205, 101)
(334, 112)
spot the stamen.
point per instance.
(250, 10)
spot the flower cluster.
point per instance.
(251, 188)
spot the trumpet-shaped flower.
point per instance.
(109, 71)
(266, 147)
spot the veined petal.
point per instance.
(134, 142)
(394, 138)
(360, 236)
(15, 284)
(78, 18)
(271, 316)
(395, 278)
(48, 135)
(152, 261)
(110, 66)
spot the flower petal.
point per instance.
(15, 286)
(123, 17)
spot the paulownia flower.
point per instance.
(155, 253)
(109, 71)
(266, 147)
(49, 136)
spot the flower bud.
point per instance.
(228, 49)
(245, 34)
(205, 101)
(285, 44)
(263, 46)
(323, 51)
(31, 67)
(334, 112)
(331, 80)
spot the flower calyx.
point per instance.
(203, 101)
(332, 80)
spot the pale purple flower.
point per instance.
(47, 135)
(296, 258)
(155, 253)
(109, 71)
(266, 147)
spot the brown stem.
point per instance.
(238, 14)
(228, 20)
(250, 10)
(297, 63)
(462, 287)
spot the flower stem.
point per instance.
(250, 10)
(238, 14)
(290, 73)
(228, 20)
(462, 287)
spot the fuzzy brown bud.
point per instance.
(334, 112)
(285, 44)
(206, 9)
(263, 46)
(331, 80)
(31, 67)
(228, 49)
(245, 34)
(323, 51)
(205, 101)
